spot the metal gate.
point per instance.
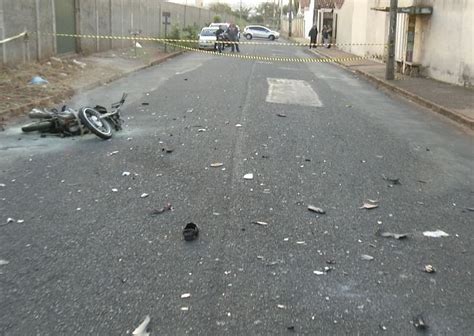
(65, 24)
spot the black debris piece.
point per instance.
(190, 232)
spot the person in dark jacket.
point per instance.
(219, 37)
(313, 34)
(233, 35)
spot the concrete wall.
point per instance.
(444, 41)
(93, 17)
(32, 15)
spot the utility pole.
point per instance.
(390, 70)
(290, 17)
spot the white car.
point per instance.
(207, 38)
(256, 31)
(216, 25)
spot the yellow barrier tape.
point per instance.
(273, 58)
(156, 39)
(24, 34)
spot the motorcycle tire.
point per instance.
(92, 120)
(41, 126)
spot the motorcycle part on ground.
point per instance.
(92, 119)
(41, 126)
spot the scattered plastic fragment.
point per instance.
(167, 207)
(2, 185)
(468, 209)
(114, 190)
(80, 64)
(217, 164)
(281, 306)
(141, 329)
(393, 235)
(20, 221)
(301, 243)
(384, 328)
(429, 269)
(316, 209)
(238, 125)
(126, 173)
(248, 176)
(4, 262)
(260, 223)
(144, 195)
(185, 295)
(282, 115)
(435, 234)
(167, 150)
(367, 257)
(291, 328)
(319, 272)
(189, 110)
(393, 181)
(38, 80)
(202, 130)
(419, 322)
(10, 220)
(190, 232)
(113, 153)
(370, 205)
(145, 104)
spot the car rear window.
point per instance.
(208, 32)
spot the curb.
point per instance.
(6, 114)
(414, 97)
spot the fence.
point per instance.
(297, 27)
(44, 18)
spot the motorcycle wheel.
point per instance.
(91, 118)
(41, 126)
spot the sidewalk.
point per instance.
(454, 102)
(67, 76)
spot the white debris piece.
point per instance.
(20, 221)
(281, 306)
(367, 257)
(248, 176)
(141, 329)
(185, 295)
(80, 64)
(144, 195)
(2, 185)
(4, 262)
(114, 190)
(319, 272)
(435, 234)
(126, 173)
(113, 153)
(10, 220)
(184, 308)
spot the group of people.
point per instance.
(230, 34)
(326, 32)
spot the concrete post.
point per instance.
(38, 31)
(390, 69)
(290, 16)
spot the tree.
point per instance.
(221, 8)
(243, 12)
(269, 12)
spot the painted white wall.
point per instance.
(444, 41)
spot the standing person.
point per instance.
(329, 31)
(233, 35)
(219, 39)
(325, 36)
(313, 34)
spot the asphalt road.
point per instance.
(88, 260)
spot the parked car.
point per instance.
(219, 24)
(207, 38)
(256, 31)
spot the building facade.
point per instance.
(436, 36)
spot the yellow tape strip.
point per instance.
(144, 38)
(274, 59)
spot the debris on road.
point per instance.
(301, 243)
(145, 104)
(189, 110)
(167, 150)
(281, 306)
(82, 65)
(113, 153)
(367, 257)
(398, 236)
(184, 308)
(144, 195)
(190, 232)
(260, 223)
(238, 125)
(316, 209)
(4, 262)
(2, 185)
(282, 115)
(126, 173)
(393, 181)
(167, 207)
(435, 234)
(248, 176)
(419, 322)
(20, 221)
(429, 269)
(217, 164)
(319, 272)
(10, 220)
(371, 204)
(291, 328)
(114, 190)
(185, 295)
(141, 329)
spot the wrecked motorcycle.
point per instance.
(72, 122)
